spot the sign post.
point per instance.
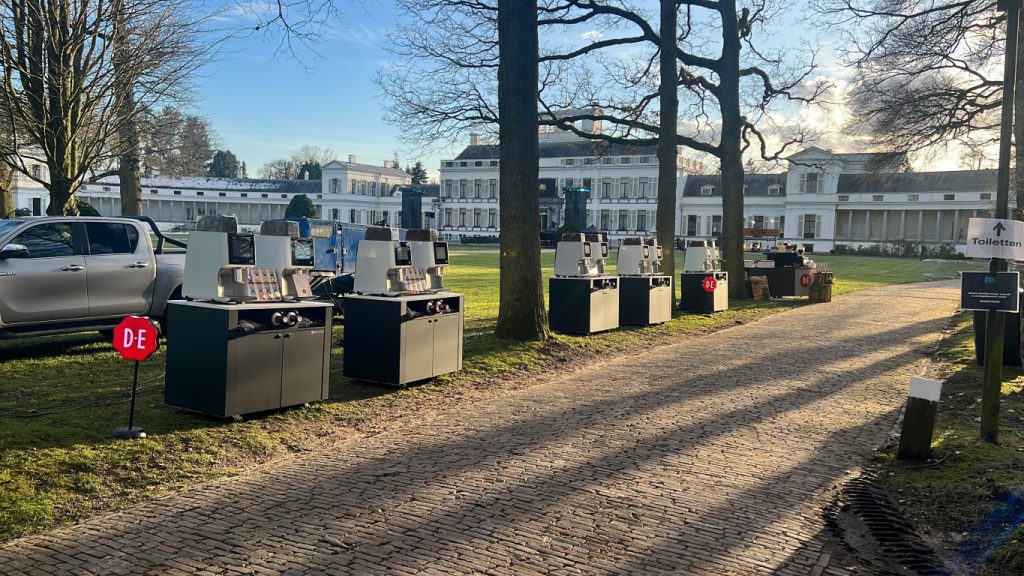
(136, 338)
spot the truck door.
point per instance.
(48, 283)
(121, 270)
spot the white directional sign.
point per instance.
(995, 238)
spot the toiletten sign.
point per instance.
(995, 238)
(986, 291)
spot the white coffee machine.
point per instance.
(429, 254)
(384, 265)
(582, 299)
(220, 264)
(278, 247)
(645, 295)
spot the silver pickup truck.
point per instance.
(74, 274)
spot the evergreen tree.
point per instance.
(418, 173)
(300, 206)
(86, 209)
(311, 169)
(223, 165)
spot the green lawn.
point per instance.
(60, 397)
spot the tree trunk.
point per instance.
(1017, 182)
(62, 197)
(667, 170)
(7, 206)
(124, 92)
(731, 157)
(521, 311)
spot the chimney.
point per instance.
(474, 139)
(351, 159)
(305, 174)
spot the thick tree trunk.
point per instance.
(124, 88)
(731, 157)
(1017, 181)
(62, 197)
(521, 311)
(667, 151)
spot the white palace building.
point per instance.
(824, 199)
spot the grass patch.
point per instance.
(60, 397)
(969, 497)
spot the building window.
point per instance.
(606, 188)
(37, 171)
(716, 225)
(492, 218)
(949, 196)
(985, 196)
(913, 197)
(605, 219)
(494, 163)
(478, 163)
(200, 193)
(462, 188)
(844, 197)
(623, 220)
(448, 217)
(625, 189)
(568, 161)
(244, 194)
(177, 192)
(706, 190)
(265, 195)
(463, 164)
(154, 191)
(774, 190)
(625, 160)
(877, 198)
(335, 185)
(810, 225)
(641, 220)
(449, 164)
(607, 160)
(645, 159)
(810, 183)
(222, 194)
(494, 189)
(691, 225)
(477, 189)
(462, 217)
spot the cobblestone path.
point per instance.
(715, 462)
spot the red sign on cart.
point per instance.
(806, 280)
(709, 284)
(136, 338)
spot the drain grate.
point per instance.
(873, 531)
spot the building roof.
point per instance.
(577, 149)
(757, 184)
(221, 184)
(872, 160)
(953, 181)
(369, 169)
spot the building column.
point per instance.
(849, 224)
(867, 224)
(920, 225)
(955, 235)
(903, 224)
(938, 225)
(885, 225)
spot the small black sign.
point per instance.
(986, 291)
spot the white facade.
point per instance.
(348, 192)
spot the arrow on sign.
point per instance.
(999, 228)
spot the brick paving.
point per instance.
(716, 461)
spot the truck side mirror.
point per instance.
(13, 251)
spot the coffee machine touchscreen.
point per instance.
(403, 256)
(240, 249)
(440, 253)
(302, 252)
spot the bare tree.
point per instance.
(66, 96)
(928, 74)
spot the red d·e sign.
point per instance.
(136, 338)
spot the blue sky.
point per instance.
(264, 104)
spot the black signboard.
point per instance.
(987, 291)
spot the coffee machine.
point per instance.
(645, 295)
(705, 287)
(384, 265)
(429, 254)
(220, 264)
(279, 247)
(583, 300)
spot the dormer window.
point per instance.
(706, 190)
(775, 190)
(810, 183)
